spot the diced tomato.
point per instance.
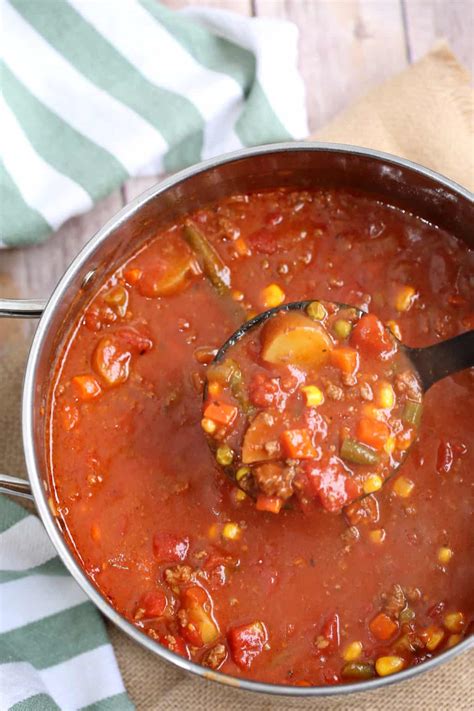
(175, 643)
(372, 432)
(345, 358)
(445, 457)
(331, 481)
(266, 392)
(153, 603)
(198, 628)
(370, 334)
(383, 627)
(331, 632)
(111, 361)
(247, 642)
(86, 386)
(169, 548)
(263, 241)
(298, 444)
(221, 412)
(136, 340)
(272, 504)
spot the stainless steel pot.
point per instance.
(396, 181)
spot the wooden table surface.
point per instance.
(346, 48)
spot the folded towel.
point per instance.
(54, 650)
(96, 92)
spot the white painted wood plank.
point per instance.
(429, 20)
(346, 48)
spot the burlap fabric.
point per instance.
(425, 114)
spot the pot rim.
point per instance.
(39, 492)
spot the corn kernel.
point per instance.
(372, 483)
(403, 487)
(385, 396)
(224, 455)
(352, 652)
(454, 622)
(272, 296)
(237, 295)
(208, 425)
(313, 395)
(316, 311)
(377, 535)
(232, 531)
(435, 637)
(241, 473)
(395, 329)
(404, 298)
(444, 555)
(242, 247)
(213, 388)
(389, 665)
(454, 639)
(389, 445)
(240, 495)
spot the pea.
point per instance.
(224, 455)
(342, 328)
(316, 311)
(357, 670)
(406, 616)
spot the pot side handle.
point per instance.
(22, 308)
(19, 308)
(14, 486)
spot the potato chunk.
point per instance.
(294, 339)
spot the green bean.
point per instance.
(358, 453)
(412, 413)
(406, 616)
(358, 670)
(228, 372)
(213, 266)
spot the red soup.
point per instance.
(305, 597)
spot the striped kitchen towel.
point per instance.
(54, 651)
(96, 91)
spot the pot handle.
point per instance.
(15, 486)
(22, 308)
(19, 308)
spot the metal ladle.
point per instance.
(430, 363)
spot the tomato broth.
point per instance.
(303, 598)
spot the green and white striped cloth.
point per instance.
(96, 91)
(54, 650)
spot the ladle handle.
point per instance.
(436, 362)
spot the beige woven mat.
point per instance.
(425, 114)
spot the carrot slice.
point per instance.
(272, 504)
(372, 432)
(345, 358)
(221, 412)
(297, 444)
